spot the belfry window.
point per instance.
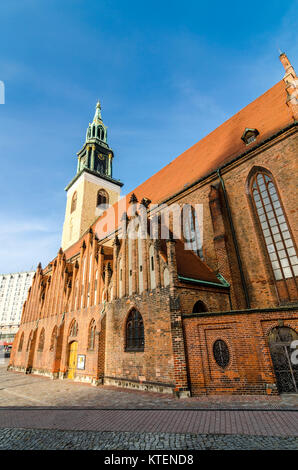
(102, 197)
(134, 340)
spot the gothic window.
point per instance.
(100, 133)
(102, 197)
(21, 342)
(74, 202)
(41, 340)
(275, 229)
(221, 353)
(134, 340)
(53, 338)
(199, 306)
(29, 341)
(91, 335)
(73, 330)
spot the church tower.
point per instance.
(93, 184)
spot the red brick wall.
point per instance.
(155, 364)
(250, 367)
(280, 158)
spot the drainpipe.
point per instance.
(243, 281)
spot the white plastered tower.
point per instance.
(92, 185)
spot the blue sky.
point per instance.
(166, 72)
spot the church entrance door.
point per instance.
(72, 361)
(286, 371)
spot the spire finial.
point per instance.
(97, 116)
(286, 64)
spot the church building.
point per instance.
(188, 285)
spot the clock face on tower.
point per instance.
(101, 164)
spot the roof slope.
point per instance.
(268, 114)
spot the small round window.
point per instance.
(221, 353)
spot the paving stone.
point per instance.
(17, 389)
(40, 439)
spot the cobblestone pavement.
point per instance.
(29, 439)
(18, 389)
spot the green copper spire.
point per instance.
(96, 157)
(97, 131)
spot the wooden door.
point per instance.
(72, 362)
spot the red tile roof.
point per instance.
(268, 114)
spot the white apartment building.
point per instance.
(13, 293)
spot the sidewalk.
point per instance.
(244, 422)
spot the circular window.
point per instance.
(221, 353)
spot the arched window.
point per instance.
(199, 306)
(102, 197)
(276, 233)
(21, 342)
(280, 340)
(53, 338)
(29, 341)
(134, 340)
(91, 335)
(73, 330)
(221, 353)
(41, 340)
(74, 202)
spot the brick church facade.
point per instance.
(210, 310)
